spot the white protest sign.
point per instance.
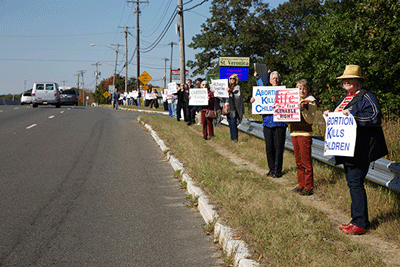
(287, 105)
(219, 87)
(340, 134)
(198, 97)
(172, 88)
(265, 97)
(134, 94)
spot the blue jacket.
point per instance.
(370, 141)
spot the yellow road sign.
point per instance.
(145, 87)
(145, 78)
(106, 94)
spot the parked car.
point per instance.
(69, 97)
(26, 98)
(46, 93)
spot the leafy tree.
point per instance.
(365, 33)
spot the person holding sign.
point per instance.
(236, 106)
(370, 144)
(301, 134)
(207, 121)
(274, 135)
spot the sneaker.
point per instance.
(345, 226)
(354, 230)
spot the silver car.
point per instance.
(46, 94)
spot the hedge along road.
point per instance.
(88, 186)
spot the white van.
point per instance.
(45, 94)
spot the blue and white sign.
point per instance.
(340, 134)
(172, 88)
(265, 98)
(219, 87)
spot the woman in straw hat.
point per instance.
(370, 144)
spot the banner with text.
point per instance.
(340, 134)
(265, 97)
(198, 97)
(219, 87)
(172, 88)
(287, 105)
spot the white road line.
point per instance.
(33, 125)
(16, 108)
(52, 116)
(62, 111)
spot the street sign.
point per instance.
(106, 94)
(145, 78)
(145, 87)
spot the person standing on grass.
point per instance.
(301, 134)
(236, 106)
(370, 144)
(207, 122)
(274, 134)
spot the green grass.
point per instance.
(279, 228)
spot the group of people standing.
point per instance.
(370, 142)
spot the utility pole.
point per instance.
(181, 42)
(126, 58)
(77, 85)
(64, 82)
(83, 86)
(97, 73)
(137, 11)
(165, 72)
(170, 69)
(116, 59)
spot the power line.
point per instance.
(194, 6)
(162, 34)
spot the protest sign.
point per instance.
(172, 88)
(340, 134)
(198, 97)
(133, 94)
(287, 105)
(219, 87)
(265, 97)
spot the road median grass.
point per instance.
(280, 228)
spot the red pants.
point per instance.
(302, 154)
(206, 122)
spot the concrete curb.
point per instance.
(222, 233)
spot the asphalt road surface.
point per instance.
(89, 187)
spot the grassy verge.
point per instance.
(274, 222)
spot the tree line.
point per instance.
(307, 39)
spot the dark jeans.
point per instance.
(355, 176)
(232, 127)
(275, 145)
(179, 108)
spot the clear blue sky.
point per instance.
(50, 40)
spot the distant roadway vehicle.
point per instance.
(46, 93)
(68, 96)
(26, 98)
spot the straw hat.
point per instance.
(352, 71)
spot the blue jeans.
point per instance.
(355, 176)
(115, 103)
(173, 108)
(138, 101)
(170, 109)
(233, 127)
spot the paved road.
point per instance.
(89, 187)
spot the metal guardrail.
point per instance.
(382, 171)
